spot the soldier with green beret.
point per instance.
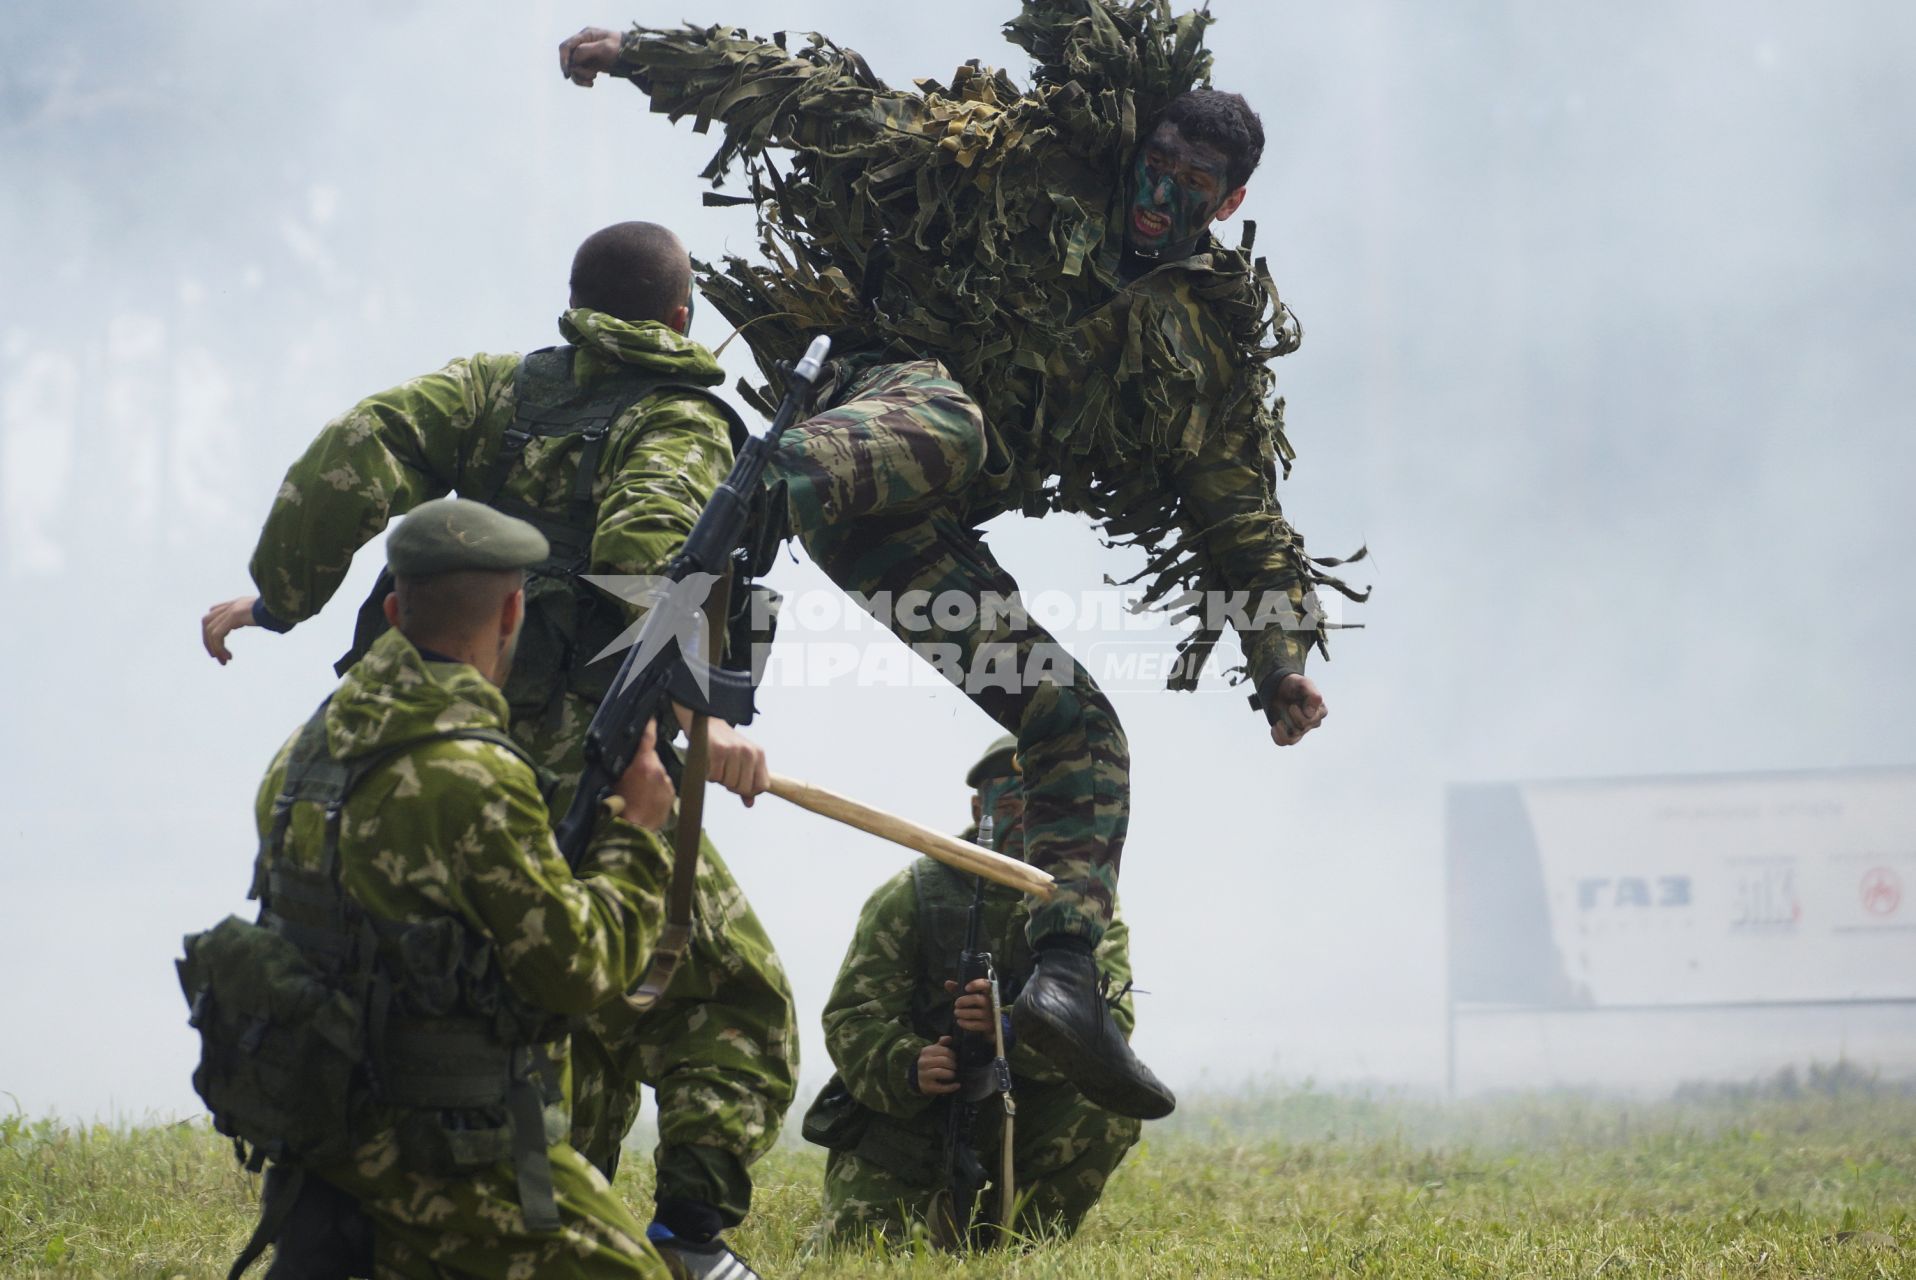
(406, 850)
(1030, 313)
(883, 1115)
(452, 535)
(610, 444)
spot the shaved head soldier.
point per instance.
(610, 444)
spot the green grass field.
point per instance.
(1795, 1179)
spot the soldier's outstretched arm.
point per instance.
(823, 97)
(1228, 491)
(373, 463)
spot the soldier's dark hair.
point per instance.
(438, 610)
(1225, 121)
(633, 270)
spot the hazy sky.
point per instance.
(1607, 311)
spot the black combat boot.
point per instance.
(1061, 1013)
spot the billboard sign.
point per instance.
(1725, 890)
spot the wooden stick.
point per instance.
(962, 854)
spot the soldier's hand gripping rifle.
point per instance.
(657, 670)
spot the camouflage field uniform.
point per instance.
(720, 1050)
(458, 829)
(889, 1002)
(1002, 360)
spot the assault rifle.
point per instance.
(982, 1071)
(656, 671)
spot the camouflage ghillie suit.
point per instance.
(1001, 359)
(720, 1050)
(456, 830)
(890, 1002)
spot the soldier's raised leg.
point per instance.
(875, 486)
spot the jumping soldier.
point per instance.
(883, 1113)
(611, 444)
(1031, 314)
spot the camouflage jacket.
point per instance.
(457, 828)
(1148, 406)
(887, 997)
(438, 433)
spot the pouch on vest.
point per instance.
(280, 1041)
(835, 1120)
(906, 1149)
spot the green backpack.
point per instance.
(281, 1042)
(282, 1008)
(300, 1019)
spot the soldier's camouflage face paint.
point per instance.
(1177, 185)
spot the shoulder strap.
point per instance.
(549, 403)
(926, 912)
(313, 775)
(941, 905)
(944, 902)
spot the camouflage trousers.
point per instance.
(436, 1228)
(1064, 1150)
(881, 485)
(720, 1050)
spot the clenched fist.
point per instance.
(584, 56)
(1300, 708)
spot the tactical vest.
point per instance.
(568, 622)
(322, 1007)
(943, 903)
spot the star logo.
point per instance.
(669, 612)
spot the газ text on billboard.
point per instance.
(1762, 888)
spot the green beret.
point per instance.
(447, 535)
(999, 759)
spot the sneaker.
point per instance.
(713, 1260)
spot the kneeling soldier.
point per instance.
(394, 1031)
(610, 445)
(886, 1114)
